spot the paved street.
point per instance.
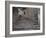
(25, 24)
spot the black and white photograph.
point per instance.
(25, 18)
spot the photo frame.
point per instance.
(24, 18)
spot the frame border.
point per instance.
(7, 11)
